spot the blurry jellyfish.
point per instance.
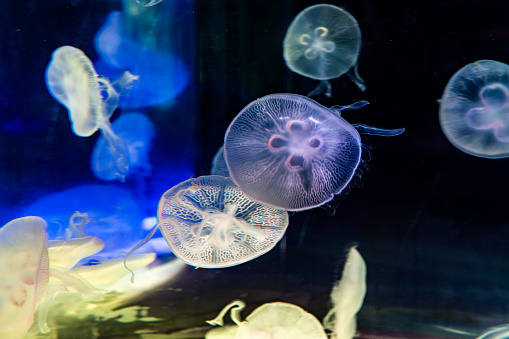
(474, 109)
(72, 80)
(497, 332)
(24, 274)
(347, 297)
(162, 75)
(209, 223)
(271, 320)
(323, 42)
(136, 132)
(289, 152)
(219, 165)
(149, 3)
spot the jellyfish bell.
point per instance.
(323, 42)
(474, 109)
(24, 274)
(289, 152)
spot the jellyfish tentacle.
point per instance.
(324, 87)
(372, 130)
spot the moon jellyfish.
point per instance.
(163, 76)
(209, 222)
(323, 42)
(271, 320)
(24, 274)
(347, 297)
(289, 152)
(474, 109)
(72, 80)
(136, 132)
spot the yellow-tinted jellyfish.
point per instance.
(72, 80)
(474, 109)
(209, 222)
(271, 320)
(323, 42)
(24, 274)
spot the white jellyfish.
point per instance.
(323, 42)
(72, 80)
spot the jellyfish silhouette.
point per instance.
(474, 109)
(323, 42)
(287, 151)
(209, 222)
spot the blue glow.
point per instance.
(162, 76)
(114, 216)
(137, 132)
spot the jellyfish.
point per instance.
(218, 164)
(289, 152)
(271, 320)
(136, 132)
(347, 297)
(72, 80)
(24, 274)
(150, 3)
(474, 109)
(163, 76)
(323, 42)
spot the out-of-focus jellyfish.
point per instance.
(72, 80)
(323, 42)
(289, 152)
(111, 215)
(24, 274)
(219, 165)
(136, 132)
(271, 320)
(347, 297)
(162, 75)
(474, 109)
(497, 332)
(208, 222)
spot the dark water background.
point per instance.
(430, 221)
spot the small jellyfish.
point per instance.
(209, 222)
(347, 297)
(136, 132)
(474, 109)
(24, 274)
(218, 164)
(323, 42)
(271, 320)
(72, 80)
(289, 152)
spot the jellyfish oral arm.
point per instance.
(236, 307)
(324, 87)
(355, 106)
(382, 132)
(118, 151)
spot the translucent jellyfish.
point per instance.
(323, 42)
(219, 165)
(163, 76)
(72, 80)
(289, 152)
(208, 222)
(149, 3)
(497, 332)
(474, 109)
(271, 320)
(136, 132)
(347, 297)
(24, 274)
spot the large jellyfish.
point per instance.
(289, 152)
(474, 109)
(271, 320)
(136, 132)
(72, 80)
(24, 274)
(209, 222)
(323, 42)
